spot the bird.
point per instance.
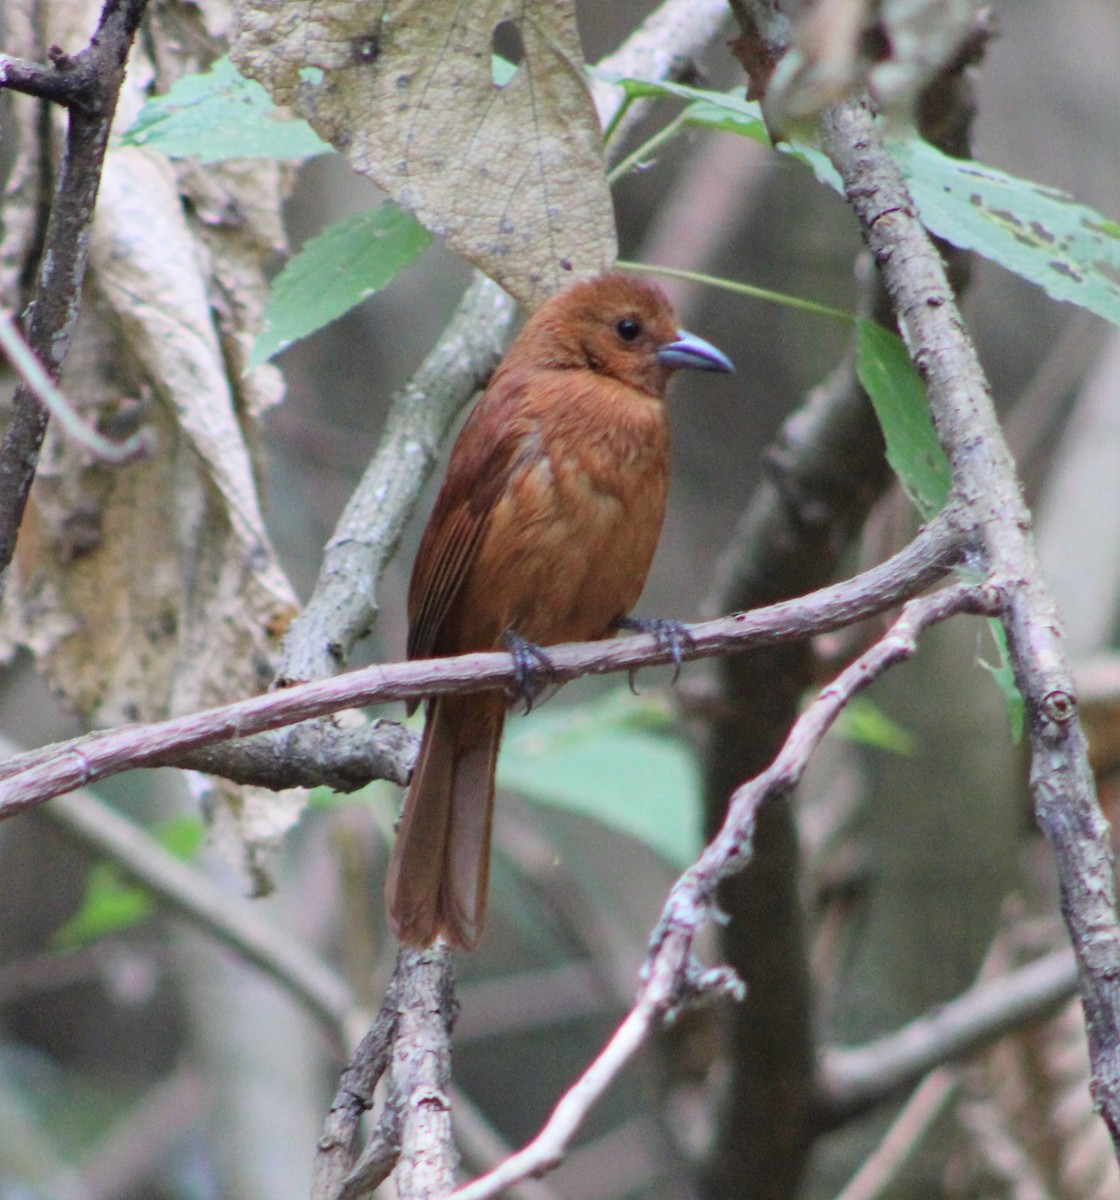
(542, 533)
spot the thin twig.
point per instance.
(334, 1154)
(483, 1147)
(31, 371)
(880, 1169)
(548, 1148)
(40, 775)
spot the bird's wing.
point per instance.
(488, 451)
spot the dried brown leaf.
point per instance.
(152, 589)
(512, 177)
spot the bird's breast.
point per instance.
(569, 543)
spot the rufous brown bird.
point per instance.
(543, 532)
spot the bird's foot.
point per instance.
(671, 635)
(532, 668)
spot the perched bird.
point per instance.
(542, 533)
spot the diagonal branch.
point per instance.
(984, 479)
(35, 377)
(853, 1078)
(190, 895)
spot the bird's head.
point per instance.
(620, 327)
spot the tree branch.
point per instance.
(984, 479)
(71, 82)
(31, 371)
(32, 778)
(49, 322)
(856, 1077)
(827, 471)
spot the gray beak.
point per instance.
(693, 353)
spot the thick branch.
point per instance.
(35, 777)
(311, 754)
(71, 82)
(827, 471)
(984, 479)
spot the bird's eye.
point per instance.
(628, 329)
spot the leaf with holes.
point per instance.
(1069, 250)
(511, 176)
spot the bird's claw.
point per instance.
(671, 635)
(532, 668)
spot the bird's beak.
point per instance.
(693, 353)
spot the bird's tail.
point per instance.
(440, 868)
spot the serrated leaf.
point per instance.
(608, 760)
(219, 114)
(333, 272)
(1068, 249)
(899, 398)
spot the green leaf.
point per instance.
(1002, 672)
(333, 272)
(899, 396)
(220, 114)
(730, 112)
(111, 904)
(1068, 249)
(183, 836)
(864, 722)
(612, 760)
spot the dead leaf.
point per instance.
(152, 590)
(511, 177)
